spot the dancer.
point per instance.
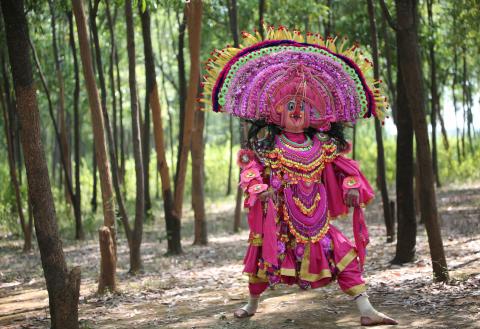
(297, 179)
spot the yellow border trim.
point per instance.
(347, 259)
(305, 274)
(355, 290)
(288, 272)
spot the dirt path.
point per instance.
(201, 288)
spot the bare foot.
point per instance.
(381, 319)
(242, 313)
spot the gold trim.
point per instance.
(305, 274)
(355, 290)
(262, 274)
(347, 259)
(288, 272)
(255, 279)
(256, 240)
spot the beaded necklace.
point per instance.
(300, 161)
(304, 146)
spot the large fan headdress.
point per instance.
(257, 80)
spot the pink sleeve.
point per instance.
(349, 176)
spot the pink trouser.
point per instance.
(350, 281)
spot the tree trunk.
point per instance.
(26, 229)
(261, 12)
(79, 234)
(145, 18)
(171, 220)
(381, 180)
(182, 86)
(135, 258)
(388, 60)
(61, 105)
(198, 179)
(193, 11)
(434, 103)
(411, 77)
(108, 242)
(108, 129)
(329, 25)
(406, 222)
(232, 14)
(111, 72)
(93, 201)
(58, 138)
(63, 286)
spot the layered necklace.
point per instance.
(300, 161)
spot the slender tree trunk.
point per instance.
(171, 219)
(433, 91)
(261, 12)
(111, 72)
(388, 60)
(193, 11)
(108, 130)
(26, 230)
(406, 221)
(182, 95)
(329, 25)
(381, 180)
(230, 156)
(58, 137)
(93, 201)
(232, 15)
(61, 104)
(107, 232)
(146, 129)
(233, 20)
(410, 66)
(135, 257)
(79, 234)
(63, 286)
(198, 178)
(354, 143)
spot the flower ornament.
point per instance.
(351, 182)
(249, 175)
(245, 158)
(254, 191)
(257, 188)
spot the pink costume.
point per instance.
(286, 81)
(291, 238)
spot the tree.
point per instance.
(406, 221)
(198, 179)
(193, 11)
(7, 113)
(107, 232)
(76, 134)
(154, 105)
(434, 96)
(135, 259)
(63, 143)
(381, 180)
(410, 69)
(63, 285)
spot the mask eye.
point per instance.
(302, 108)
(291, 106)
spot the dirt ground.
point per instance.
(202, 287)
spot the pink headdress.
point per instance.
(259, 79)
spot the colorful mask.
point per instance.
(314, 83)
